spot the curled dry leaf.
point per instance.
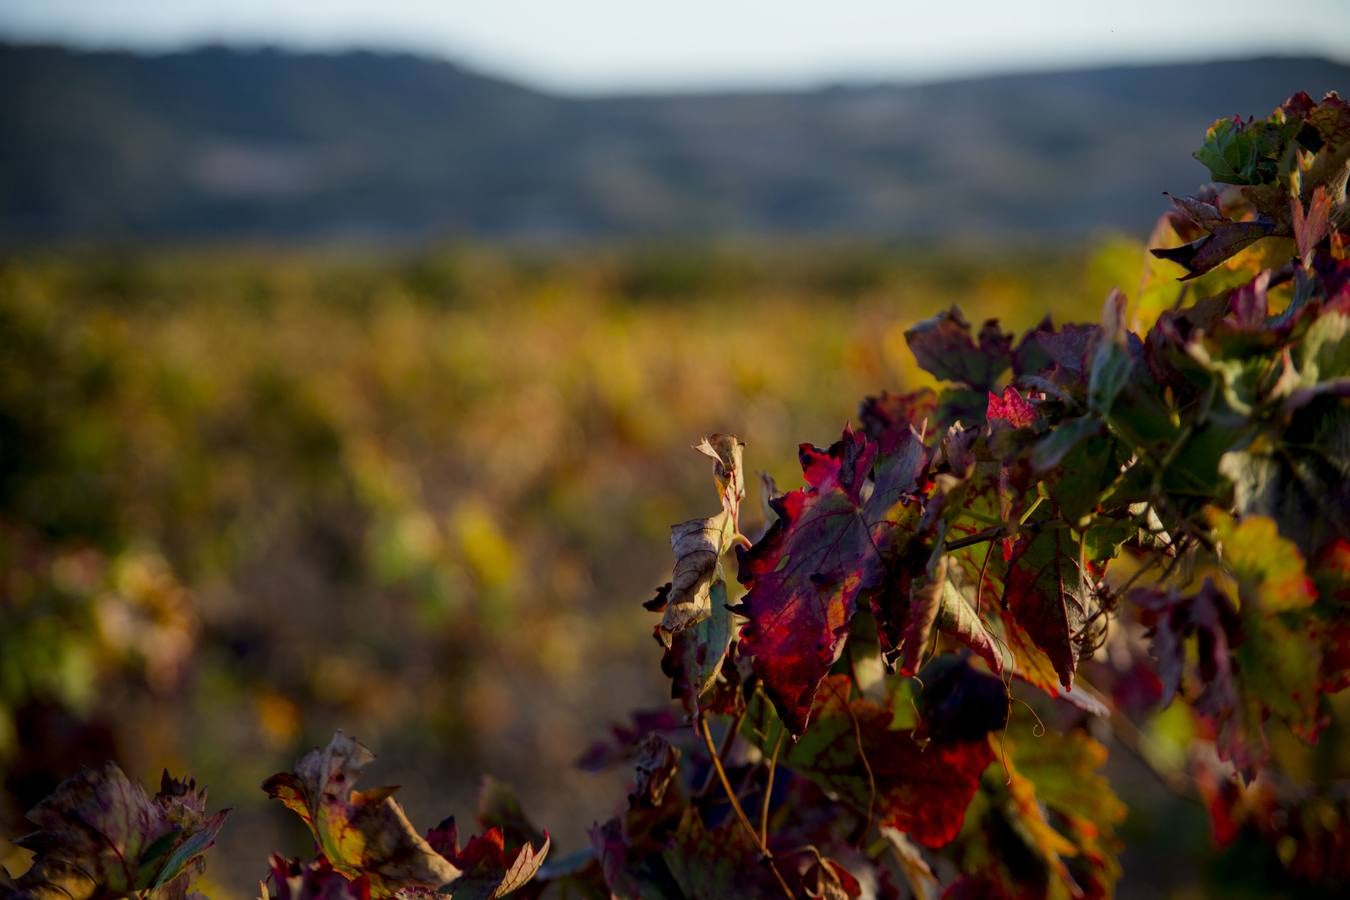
(362, 833)
(699, 545)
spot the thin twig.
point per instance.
(768, 790)
(979, 584)
(978, 537)
(723, 751)
(736, 805)
(867, 768)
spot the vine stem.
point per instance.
(768, 791)
(736, 805)
(727, 740)
(978, 537)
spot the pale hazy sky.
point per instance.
(623, 45)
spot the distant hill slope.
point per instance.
(219, 142)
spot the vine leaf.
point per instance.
(892, 415)
(291, 879)
(362, 833)
(100, 834)
(1048, 592)
(957, 618)
(654, 771)
(944, 347)
(1269, 568)
(699, 544)
(805, 575)
(1249, 153)
(1044, 824)
(697, 655)
(852, 753)
(1304, 145)
(1058, 356)
(915, 602)
(697, 628)
(489, 870)
(622, 746)
(1278, 659)
(1066, 778)
(1310, 226)
(630, 848)
(1111, 358)
(1010, 407)
(1223, 237)
(710, 863)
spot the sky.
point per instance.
(607, 46)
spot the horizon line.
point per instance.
(861, 78)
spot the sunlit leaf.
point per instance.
(362, 833)
(804, 577)
(101, 835)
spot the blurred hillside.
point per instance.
(226, 143)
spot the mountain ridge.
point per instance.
(228, 143)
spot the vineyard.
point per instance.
(1068, 600)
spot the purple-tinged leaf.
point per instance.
(945, 347)
(100, 834)
(827, 547)
(488, 869)
(1223, 239)
(291, 879)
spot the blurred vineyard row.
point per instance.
(247, 497)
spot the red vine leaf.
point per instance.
(489, 870)
(1049, 593)
(1011, 407)
(852, 753)
(804, 577)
